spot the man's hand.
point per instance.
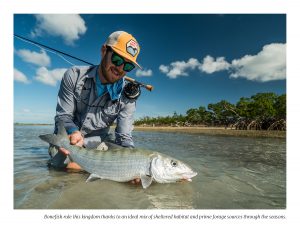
(75, 139)
(135, 181)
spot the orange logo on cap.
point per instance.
(132, 47)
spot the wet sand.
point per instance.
(215, 131)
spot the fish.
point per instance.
(122, 164)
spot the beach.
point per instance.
(215, 131)
(197, 130)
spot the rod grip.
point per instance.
(148, 87)
(129, 79)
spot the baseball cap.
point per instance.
(125, 45)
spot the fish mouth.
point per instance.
(188, 176)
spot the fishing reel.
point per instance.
(132, 90)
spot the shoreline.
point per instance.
(33, 124)
(215, 131)
(196, 130)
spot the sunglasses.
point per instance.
(118, 60)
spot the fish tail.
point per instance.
(57, 139)
(51, 139)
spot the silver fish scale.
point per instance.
(121, 165)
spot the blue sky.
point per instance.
(190, 59)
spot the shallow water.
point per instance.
(233, 173)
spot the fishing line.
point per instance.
(57, 52)
(44, 49)
(52, 49)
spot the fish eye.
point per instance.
(173, 163)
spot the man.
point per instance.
(91, 98)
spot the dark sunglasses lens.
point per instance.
(128, 67)
(116, 59)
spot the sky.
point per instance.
(190, 59)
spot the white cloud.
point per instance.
(26, 110)
(20, 77)
(267, 65)
(67, 26)
(164, 68)
(143, 73)
(49, 77)
(211, 65)
(40, 59)
(179, 68)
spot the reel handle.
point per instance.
(148, 87)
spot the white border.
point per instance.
(33, 219)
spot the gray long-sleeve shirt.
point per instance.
(80, 108)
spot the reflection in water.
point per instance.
(233, 173)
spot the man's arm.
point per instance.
(66, 102)
(125, 124)
(66, 106)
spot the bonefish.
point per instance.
(123, 164)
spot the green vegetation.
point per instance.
(263, 111)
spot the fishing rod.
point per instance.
(148, 87)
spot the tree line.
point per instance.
(262, 111)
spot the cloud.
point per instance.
(40, 59)
(20, 77)
(67, 26)
(143, 73)
(26, 110)
(211, 65)
(49, 77)
(164, 68)
(179, 68)
(267, 65)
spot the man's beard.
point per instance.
(104, 72)
(107, 73)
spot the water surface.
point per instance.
(233, 173)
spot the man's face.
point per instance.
(110, 72)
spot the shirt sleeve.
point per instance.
(125, 124)
(66, 103)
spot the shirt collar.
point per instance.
(114, 89)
